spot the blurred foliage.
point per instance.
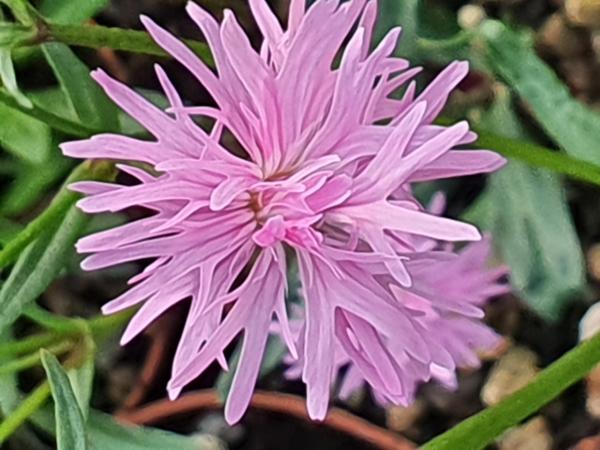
(526, 211)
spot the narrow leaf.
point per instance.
(33, 181)
(88, 100)
(39, 265)
(526, 211)
(570, 123)
(8, 230)
(57, 210)
(70, 424)
(68, 11)
(7, 70)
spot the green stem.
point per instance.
(58, 208)
(33, 360)
(58, 324)
(100, 326)
(97, 36)
(482, 429)
(34, 401)
(537, 156)
(28, 345)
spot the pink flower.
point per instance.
(463, 284)
(322, 172)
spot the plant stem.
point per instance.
(97, 36)
(58, 324)
(537, 156)
(100, 327)
(31, 404)
(33, 360)
(482, 429)
(28, 345)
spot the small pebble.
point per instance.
(400, 418)
(558, 38)
(579, 74)
(593, 254)
(471, 16)
(584, 13)
(588, 327)
(513, 371)
(533, 435)
(590, 443)
(493, 354)
(207, 442)
(595, 44)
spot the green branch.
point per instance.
(34, 359)
(482, 429)
(538, 156)
(97, 36)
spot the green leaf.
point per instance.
(526, 211)
(14, 35)
(39, 265)
(54, 121)
(8, 230)
(31, 182)
(570, 123)
(56, 100)
(71, 12)
(70, 424)
(23, 136)
(87, 99)
(9, 392)
(82, 377)
(104, 433)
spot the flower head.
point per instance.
(324, 174)
(449, 294)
